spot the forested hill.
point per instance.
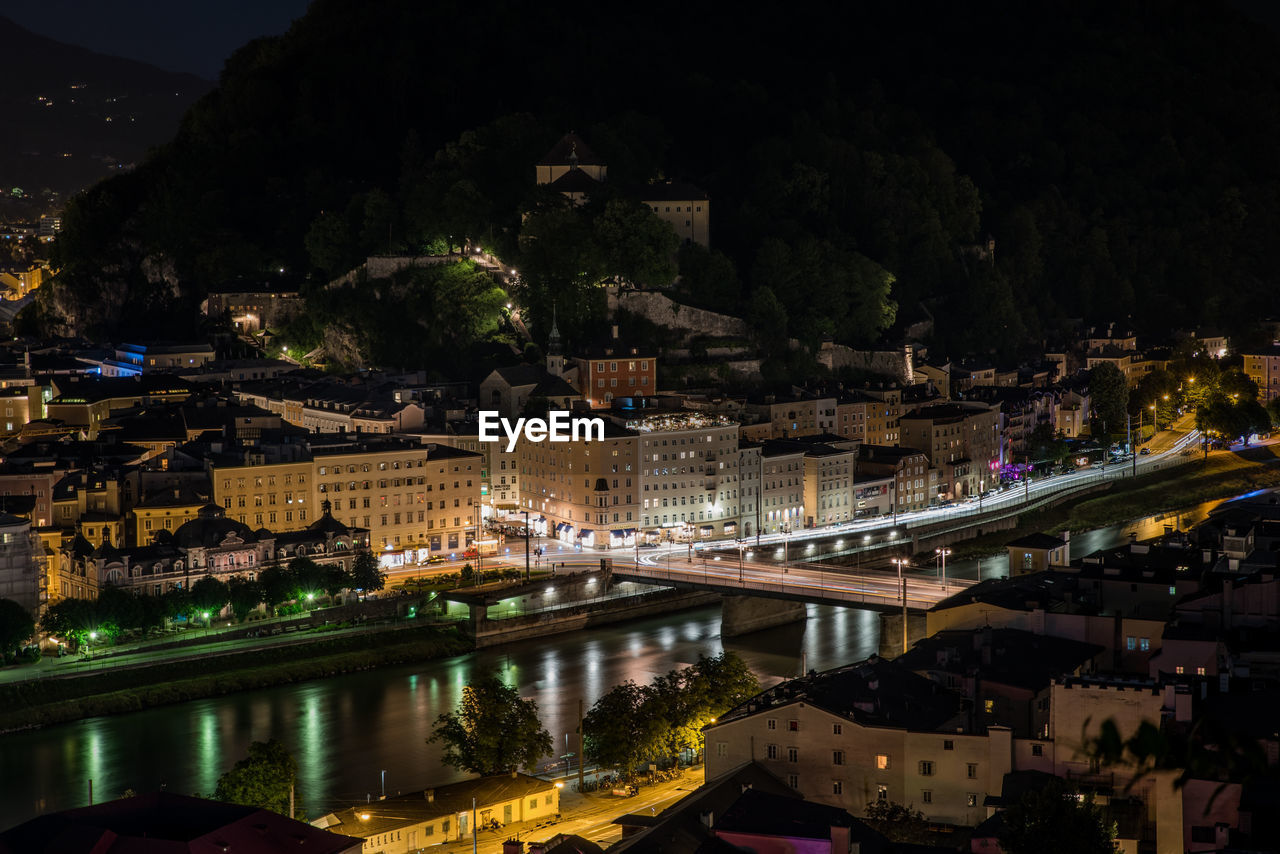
(1121, 155)
(72, 116)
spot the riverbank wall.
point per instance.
(487, 633)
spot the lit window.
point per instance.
(882, 761)
(1144, 644)
(1199, 671)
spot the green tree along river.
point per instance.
(346, 730)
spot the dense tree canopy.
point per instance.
(860, 189)
(631, 723)
(265, 779)
(16, 626)
(492, 731)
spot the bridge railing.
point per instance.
(798, 586)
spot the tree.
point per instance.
(264, 779)
(637, 245)
(366, 575)
(209, 596)
(618, 730)
(631, 723)
(1055, 820)
(492, 731)
(1110, 392)
(16, 626)
(70, 619)
(244, 595)
(307, 577)
(277, 587)
(900, 823)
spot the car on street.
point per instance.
(1145, 452)
(436, 559)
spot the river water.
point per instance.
(346, 730)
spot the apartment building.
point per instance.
(1263, 367)
(914, 482)
(802, 415)
(750, 497)
(869, 415)
(587, 492)
(685, 207)
(409, 496)
(828, 484)
(871, 731)
(961, 440)
(781, 486)
(688, 475)
(616, 372)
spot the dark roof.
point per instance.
(1037, 541)
(209, 529)
(165, 823)
(569, 150)
(1019, 593)
(1004, 656)
(575, 181)
(407, 810)
(777, 815)
(874, 692)
(570, 843)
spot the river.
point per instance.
(347, 730)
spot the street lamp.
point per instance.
(902, 581)
(741, 570)
(786, 547)
(526, 544)
(942, 554)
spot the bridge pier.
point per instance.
(741, 615)
(891, 632)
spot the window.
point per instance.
(793, 781)
(1144, 644)
(971, 799)
(882, 761)
(835, 729)
(988, 706)
(837, 787)
(1037, 750)
(837, 757)
(926, 768)
(793, 726)
(1199, 671)
(948, 744)
(793, 754)
(533, 803)
(971, 770)
(882, 793)
(1131, 642)
(722, 748)
(771, 751)
(926, 796)
(1179, 670)
(771, 724)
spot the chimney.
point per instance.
(513, 846)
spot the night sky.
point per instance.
(179, 35)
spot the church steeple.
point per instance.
(555, 356)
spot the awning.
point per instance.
(618, 535)
(584, 532)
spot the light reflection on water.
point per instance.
(345, 731)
